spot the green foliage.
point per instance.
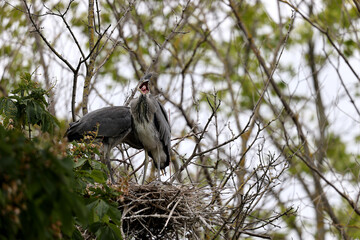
(346, 214)
(339, 157)
(349, 47)
(27, 106)
(37, 200)
(45, 196)
(331, 16)
(104, 219)
(100, 199)
(13, 27)
(48, 192)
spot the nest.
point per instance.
(161, 211)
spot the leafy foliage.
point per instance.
(100, 199)
(49, 193)
(37, 199)
(27, 106)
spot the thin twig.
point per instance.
(173, 33)
(327, 34)
(44, 39)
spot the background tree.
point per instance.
(262, 95)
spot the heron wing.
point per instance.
(162, 124)
(108, 122)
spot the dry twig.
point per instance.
(159, 210)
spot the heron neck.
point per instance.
(142, 108)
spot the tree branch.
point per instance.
(44, 39)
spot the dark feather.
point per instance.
(108, 122)
(162, 125)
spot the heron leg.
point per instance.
(108, 163)
(158, 162)
(146, 161)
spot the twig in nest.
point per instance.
(157, 211)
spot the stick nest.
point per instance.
(159, 210)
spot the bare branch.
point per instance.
(37, 29)
(178, 26)
(327, 34)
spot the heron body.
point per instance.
(143, 125)
(152, 127)
(110, 125)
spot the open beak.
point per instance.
(144, 86)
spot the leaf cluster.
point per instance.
(27, 106)
(48, 193)
(37, 200)
(99, 198)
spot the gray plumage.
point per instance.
(151, 125)
(114, 125)
(143, 125)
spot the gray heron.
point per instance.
(151, 126)
(142, 126)
(110, 125)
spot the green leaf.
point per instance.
(115, 215)
(43, 183)
(102, 208)
(76, 235)
(95, 227)
(80, 162)
(8, 107)
(30, 113)
(107, 233)
(116, 230)
(98, 176)
(97, 164)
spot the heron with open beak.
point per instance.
(151, 126)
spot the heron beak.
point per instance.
(144, 87)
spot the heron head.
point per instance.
(144, 85)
